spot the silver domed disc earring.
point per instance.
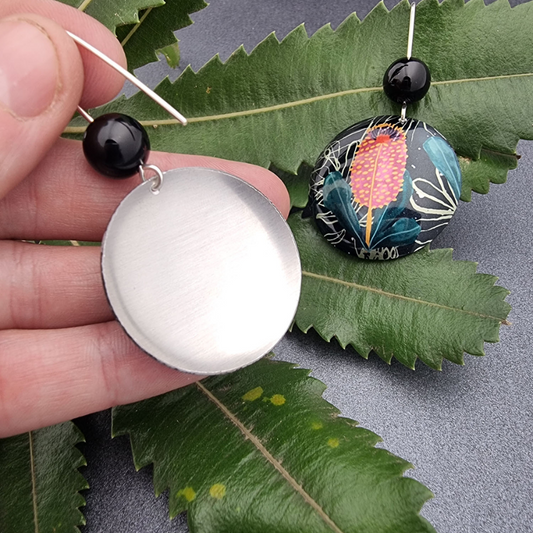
(387, 186)
(199, 267)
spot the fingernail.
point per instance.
(29, 68)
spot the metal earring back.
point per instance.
(204, 275)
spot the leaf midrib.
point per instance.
(84, 4)
(393, 295)
(33, 484)
(297, 103)
(136, 27)
(269, 457)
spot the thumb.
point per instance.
(41, 81)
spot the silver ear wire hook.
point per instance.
(157, 180)
(403, 116)
(130, 77)
(411, 37)
(85, 115)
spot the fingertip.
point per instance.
(102, 83)
(275, 189)
(44, 76)
(41, 79)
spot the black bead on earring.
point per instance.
(387, 186)
(116, 145)
(407, 81)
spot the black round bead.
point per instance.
(115, 145)
(407, 81)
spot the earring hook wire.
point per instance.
(85, 115)
(411, 37)
(130, 77)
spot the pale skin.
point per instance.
(62, 354)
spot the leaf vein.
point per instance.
(270, 458)
(393, 295)
(296, 103)
(136, 27)
(84, 5)
(500, 154)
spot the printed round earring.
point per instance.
(387, 186)
(199, 267)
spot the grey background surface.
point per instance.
(468, 430)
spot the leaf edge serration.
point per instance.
(145, 448)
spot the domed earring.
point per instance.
(387, 186)
(199, 267)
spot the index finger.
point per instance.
(102, 83)
(64, 198)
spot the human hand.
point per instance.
(61, 353)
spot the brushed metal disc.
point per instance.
(204, 276)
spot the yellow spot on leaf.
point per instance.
(317, 425)
(208, 90)
(217, 491)
(278, 399)
(333, 443)
(253, 394)
(188, 493)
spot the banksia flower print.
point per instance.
(385, 188)
(376, 172)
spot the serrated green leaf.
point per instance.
(172, 54)
(154, 32)
(297, 184)
(260, 450)
(424, 306)
(113, 14)
(285, 101)
(491, 167)
(40, 482)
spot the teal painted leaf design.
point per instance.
(282, 103)
(154, 32)
(424, 306)
(112, 13)
(261, 450)
(40, 482)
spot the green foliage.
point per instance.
(113, 13)
(172, 54)
(40, 482)
(297, 184)
(285, 101)
(154, 32)
(260, 450)
(491, 167)
(281, 104)
(423, 306)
